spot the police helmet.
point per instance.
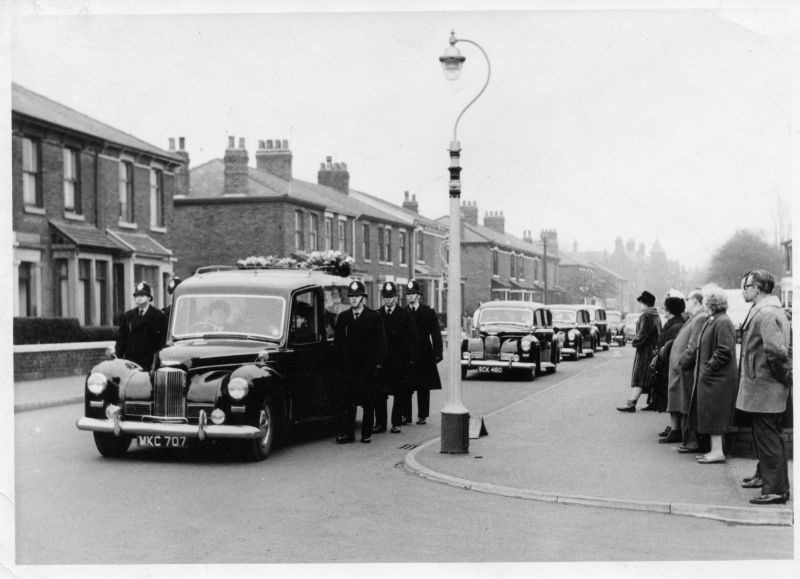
(143, 289)
(412, 287)
(173, 283)
(356, 288)
(389, 289)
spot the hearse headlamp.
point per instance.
(238, 388)
(96, 383)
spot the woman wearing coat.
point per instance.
(648, 329)
(658, 392)
(715, 374)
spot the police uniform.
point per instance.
(360, 346)
(141, 333)
(400, 338)
(429, 353)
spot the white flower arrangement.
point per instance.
(336, 262)
(268, 261)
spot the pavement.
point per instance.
(565, 443)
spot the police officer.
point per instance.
(360, 346)
(429, 351)
(401, 340)
(141, 330)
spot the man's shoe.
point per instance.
(629, 407)
(665, 432)
(378, 430)
(421, 421)
(688, 449)
(673, 436)
(366, 439)
(345, 438)
(749, 478)
(753, 483)
(777, 499)
(395, 429)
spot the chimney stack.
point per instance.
(527, 236)
(275, 159)
(469, 212)
(411, 205)
(334, 175)
(235, 168)
(495, 220)
(181, 173)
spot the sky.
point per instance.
(600, 121)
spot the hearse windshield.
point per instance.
(229, 314)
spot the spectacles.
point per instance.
(749, 285)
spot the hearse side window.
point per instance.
(303, 323)
(335, 303)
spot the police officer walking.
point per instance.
(401, 341)
(141, 329)
(360, 346)
(429, 352)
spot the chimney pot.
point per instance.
(285, 143)
(405, 196)
(261, 144)
(172, 143)
(322, 166)
(241, 143)
(231, 142)
(414, 197)
(182, 143)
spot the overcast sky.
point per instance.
(643, 123)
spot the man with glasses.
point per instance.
(765, 381)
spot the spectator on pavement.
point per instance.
(674, 305)
(681, 375)
(648, 328)
(765, 381)
(714, 374)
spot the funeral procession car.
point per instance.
(574, 328)
(511, 336)
(248, 356)
(600, 321)
(616, 327)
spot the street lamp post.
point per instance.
(455, 416)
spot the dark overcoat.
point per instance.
(360, 347)
(140, 337)
(429, 348)
(661, 373)
(681, 364)
(715, 375)
(402, 351)
(648, 329)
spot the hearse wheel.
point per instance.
(112, 446)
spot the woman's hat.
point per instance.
(647, 299)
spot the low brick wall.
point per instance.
(739, 443)
(35, 362)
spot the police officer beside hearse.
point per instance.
(360, 347)
(141, 329)
(401, 340)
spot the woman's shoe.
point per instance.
(665, 432)
(630, 406)
(688, 449)
(753, 483)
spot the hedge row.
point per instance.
(59, 330)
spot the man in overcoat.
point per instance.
(141, 329)
(765, 382)
(681, 372)
(429, 351)
(360, 347)
(400, 338)
(648, 329)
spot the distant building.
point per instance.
(91, 212)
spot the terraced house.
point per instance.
(91, 212)
(229, 210)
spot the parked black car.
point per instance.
(246, 376)
(578, 335)
(616, 328)
(509, 336)
(600, 321)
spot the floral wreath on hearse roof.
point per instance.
(332, 261)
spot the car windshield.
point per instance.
(246, 315)
(506, 315)
(564, 316)
(613, 317)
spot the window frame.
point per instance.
(299, 231)
(72, 180)
(127, 213)
(32, 172)
(156, 198)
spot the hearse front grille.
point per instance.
(168, 388)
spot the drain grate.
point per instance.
(409, 446)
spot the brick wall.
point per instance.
(38, 362)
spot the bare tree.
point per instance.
(744, 251)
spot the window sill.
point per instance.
(74, 216)
(32, 209)
(126, 225)
(158, 229)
